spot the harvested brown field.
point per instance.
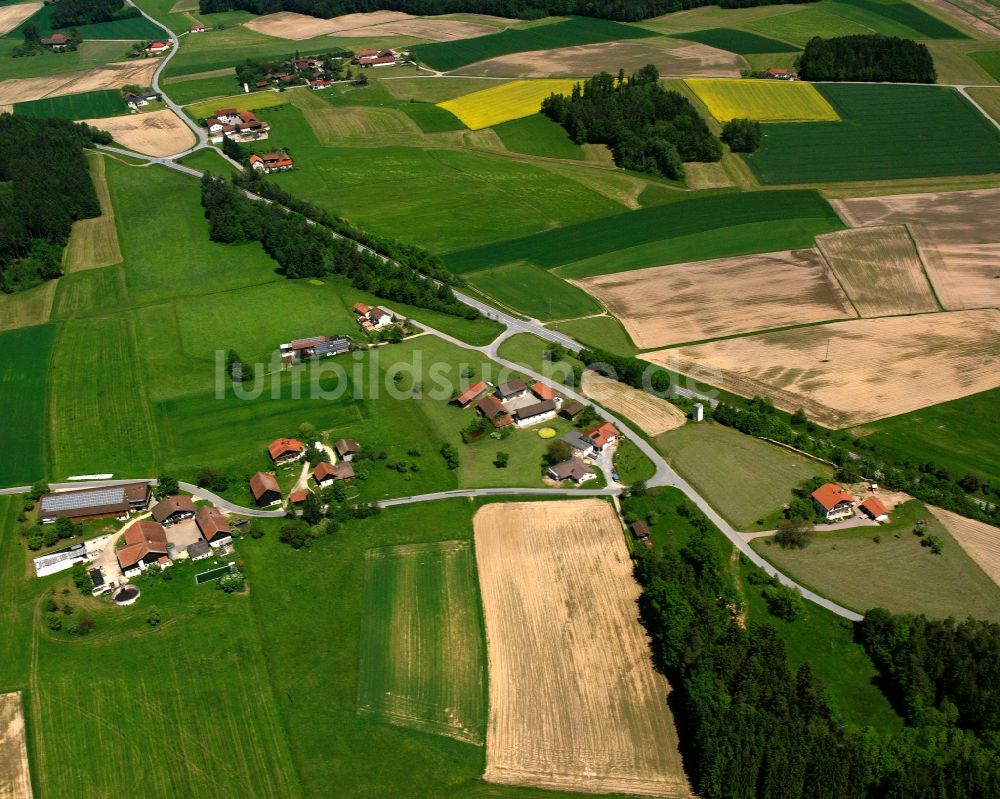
(15, 782)
(107, 76)
(651, 414)
(665, 305)
(671, 57)
(433, 29)
(26, 308)
(289, 25)
(94, 242)
(574, 703)
(980, 541)
(12, 16)
(157, 133)
(880, 270)
(849, 373)
(707, 175)
(958, 237)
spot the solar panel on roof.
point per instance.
(83, 499)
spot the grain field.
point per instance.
(574, 701)
(651, 414)
(94, 242)
(981, 541)
(15, 782)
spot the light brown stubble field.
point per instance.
(574, 701)
(94, 242)
(157, 133)
(651, 414)
(981, 541)
(433, 29)
(12, 16)
(880, 270)
(289, 25)
(958, 237)
(108, 76)
(15, 782)
(670, 57)
(849, 373)
(665, 305)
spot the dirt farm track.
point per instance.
(574, 701)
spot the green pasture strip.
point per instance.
(538, 135)
(24, 433)
(430, 118)
(916, 20)
(574, 31)
(989, 60)
(533, 291)
(707, 214)
(189, 91)
(88, 105)
(737, 41)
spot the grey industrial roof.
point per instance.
(577, 441)
(84, 498)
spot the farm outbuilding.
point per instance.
(265, 489)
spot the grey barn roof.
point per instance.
(85, 498)
(577, 441)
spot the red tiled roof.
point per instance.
(830, 495)
(142, 539)
(364, 53)
(225, 112)
(489, 406)
(283, 445)
(297, 497)
(470, 393)
(361, 308)
(601, 434)
(262, 482)
(874, 507)
(323, 471)
(165, 508)
(544, 392)
(211, 522)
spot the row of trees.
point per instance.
(45, 186)
(874, 58)
(70, 13)
(752, 728)
(308, 250)
(648, 128)
(625, 10)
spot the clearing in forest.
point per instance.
(574, 701)
(422, 640)
(763, 100)
(848, 373)
(958, 237)
(665, 305)
(880, 270)
(651, 414)
(15, 782)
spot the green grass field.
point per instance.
(23, 397)
(189, 91)
(782, 219)
(745, 479)
(241, 102)
(88, 105)
(209, 159)
(799, 27)
(90, 291)
(422, 640)
(132, 28)
(575, 31)
(538, 135)
(89, 54)
(737, 41)
(962, 435)
(898, 573)
(887, 132)
(533, 291)
(632, 466)
(988, 60)
(529, 351)
(430, 118)
(894, 18)
(604, 332)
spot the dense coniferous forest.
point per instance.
(309, 250)
(758, 417)
(45, 186)
(648, 128)
(621, 10)
(69, 13)
(873, 58)
(752, 728)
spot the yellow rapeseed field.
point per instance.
(519, 98)
(241, 102)
(763, 100)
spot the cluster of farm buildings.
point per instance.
(370, 319)
(284, 451)
(517, 404)
(834, 503)
(240, 126)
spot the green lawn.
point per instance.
(700, 227)
(189, 91)
(575, 31)
(898, 574)
(745, 479)
(433, 89)
(431, 118)
(632, 466)
(88, 105)
(603, 332)
(209, 159)
(529, 351)
(737, 41)
(533, 291)
(886, 132)
(962, 435)
(538, 135)
(423, 657)
(24, 433)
